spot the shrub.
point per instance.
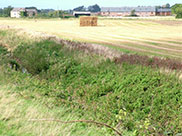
(3, 55)
(3, 50)
(177, 10)
(67, 17)
(144, 100)
(179, 15)
(36, 57)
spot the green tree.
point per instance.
(31, 8)
(94, 8)
(7, 11)
(177, 10)
(56, 14)
(1, 12)
(23, 14)
(80, 8)
(51, 13)
(133, 13)
(167, 5)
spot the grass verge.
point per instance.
(132, 98)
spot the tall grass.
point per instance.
(16, 112)
(135, 98)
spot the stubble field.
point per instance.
(159, 37)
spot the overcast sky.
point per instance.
(70, 4)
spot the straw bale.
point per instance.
(88, 21)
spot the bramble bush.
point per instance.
(36, 57)
(139, 98)
(3, 50)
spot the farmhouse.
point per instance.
(81, 13)
(16, 12)
(31, 12)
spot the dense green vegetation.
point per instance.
(5, 12)
(132, 98)
(17, 108)
(177, 10)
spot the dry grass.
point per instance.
(11, 38)
(16, 112)
(154, 37)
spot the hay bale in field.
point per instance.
(88, 21)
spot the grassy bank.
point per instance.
(17, 109)
(132, 98)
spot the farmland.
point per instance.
(160, 36)
(44, 83)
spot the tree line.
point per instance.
(177, 10)
(5, 12)
(51, 13)
(92, 8)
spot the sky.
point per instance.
(70, 4)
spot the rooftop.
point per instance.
(129, 9)
(18, 9)
(163, 10)
(81, 12)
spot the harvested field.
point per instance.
(168, 22)
(148, 37)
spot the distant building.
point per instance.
(95, 13)
(142, 11)
(16, 12)
(163, 12)
(81, 13)
(31, 12)
(126, 11)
